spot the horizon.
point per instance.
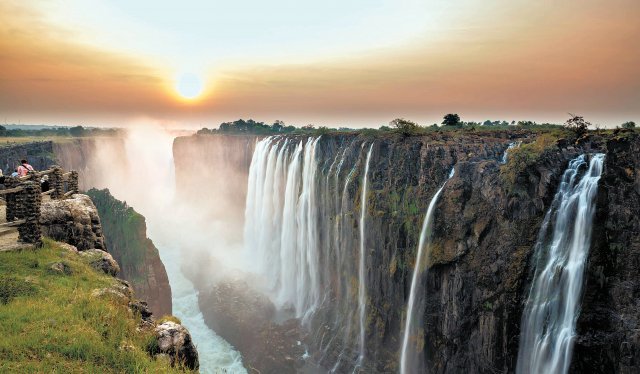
(194, 64)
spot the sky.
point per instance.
(353, 63)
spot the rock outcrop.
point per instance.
(74, 221)
(175, 341)
(102, 261)
(245, 318)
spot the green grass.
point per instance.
(51, 323)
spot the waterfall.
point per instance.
(511, 146)
(362, 302)
(301, 233)
(281, 227)
(550, 314)
(409, 358)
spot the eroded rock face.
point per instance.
(74, 221)
(608, 329)
(175, 341)
(244, 318)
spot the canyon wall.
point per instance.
(99, 161)
(39, 154)
(480, 263)
(125, 231)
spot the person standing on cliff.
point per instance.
(24, 168)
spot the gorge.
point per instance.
(327, 229)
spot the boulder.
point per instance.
(101, 260)
(175, 341)
(74, 221)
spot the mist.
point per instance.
(195, 223)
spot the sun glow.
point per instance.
(189, 86)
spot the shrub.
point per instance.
(629, 125)
(577, 124)
(405, 127)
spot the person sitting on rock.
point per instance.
(15, 173)
(24, 168)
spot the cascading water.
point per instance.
(301, 238)
(410, 360)
(550, 314)
(362, 303)
(282, 233)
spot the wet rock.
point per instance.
(244, 318)
(175, 341)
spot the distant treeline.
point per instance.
(24, 131)
(450, 122)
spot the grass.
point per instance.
(50, 322)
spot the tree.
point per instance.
(405, 127)
(451, 120)
(76, 131)
(577, 124)
(629, 125)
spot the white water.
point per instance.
(511, 146)
(362, 296)
(552, 308)
(409, 356)
(301, 238)
(282, 233)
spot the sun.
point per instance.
(189, 86)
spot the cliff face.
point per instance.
(608, 328)
(39, 154)
(126, 237)
(480, 266)
(98, 161)
(94, 159)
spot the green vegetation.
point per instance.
(125, 233)
(527, 155)
(51, 321)
(452, 124)
(405, 127)
(629, 125)
(577, 124)
(451, 120)
(47, 132)
(164, 319)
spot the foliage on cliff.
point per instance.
(125, 228)
(52, 319)
(126, 238)
(522, 157)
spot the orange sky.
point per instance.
(504, 60)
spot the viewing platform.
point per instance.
(20, 210)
